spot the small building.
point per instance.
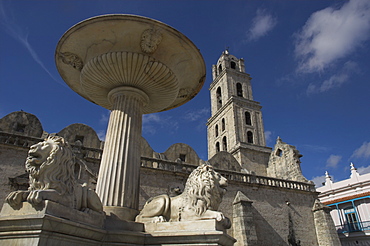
(350, 203)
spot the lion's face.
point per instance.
(50, 165)
(39, 152)
(204, 183)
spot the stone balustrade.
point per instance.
(179, 167)
(166, 165)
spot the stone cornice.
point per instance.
(231, 71)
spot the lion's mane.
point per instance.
(57, 172)
(202, 190)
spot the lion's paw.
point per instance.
(15, 198)
(220, 216)
(35, 197)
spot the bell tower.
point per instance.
(236, 124)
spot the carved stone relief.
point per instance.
(72, 59)
(150, 39)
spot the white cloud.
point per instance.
(104, 118)
(363, 151)
(149, 121)
(331, 34)
(335, 80)
(102, 135)
(195, 115)
(363, 170)
(262, 23)
(268, 136)
(333, 160)
(318, 180)
(153, 121)
(316, 148)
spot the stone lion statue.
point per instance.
(50, 165)
(200, 200)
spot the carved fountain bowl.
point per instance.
(105, 52)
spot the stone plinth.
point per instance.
(201, 232)
(54, 224)
(49, 208)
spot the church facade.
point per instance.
(269, 201)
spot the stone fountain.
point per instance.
(132, 66)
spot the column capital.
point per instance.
(128, 91)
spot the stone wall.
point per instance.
(12, 166)
(281, 215)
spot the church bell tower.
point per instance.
(236, 124)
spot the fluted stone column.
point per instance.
(119, 174)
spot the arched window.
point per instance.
(224, 143)
(219, 68)
(223, 124)
(233, 65)
(239, 90)
(219, 98)
(217, 147)
(250, 137)
(216, 130)
(248, 120)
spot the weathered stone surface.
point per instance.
(50, 223)
(51, 208)
(21, 123)
(204, 232)
(285, 162)
(81, 134)
(182, 153)
(225, 161)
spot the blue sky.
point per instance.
(309, 61)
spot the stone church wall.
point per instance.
(284, 214)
